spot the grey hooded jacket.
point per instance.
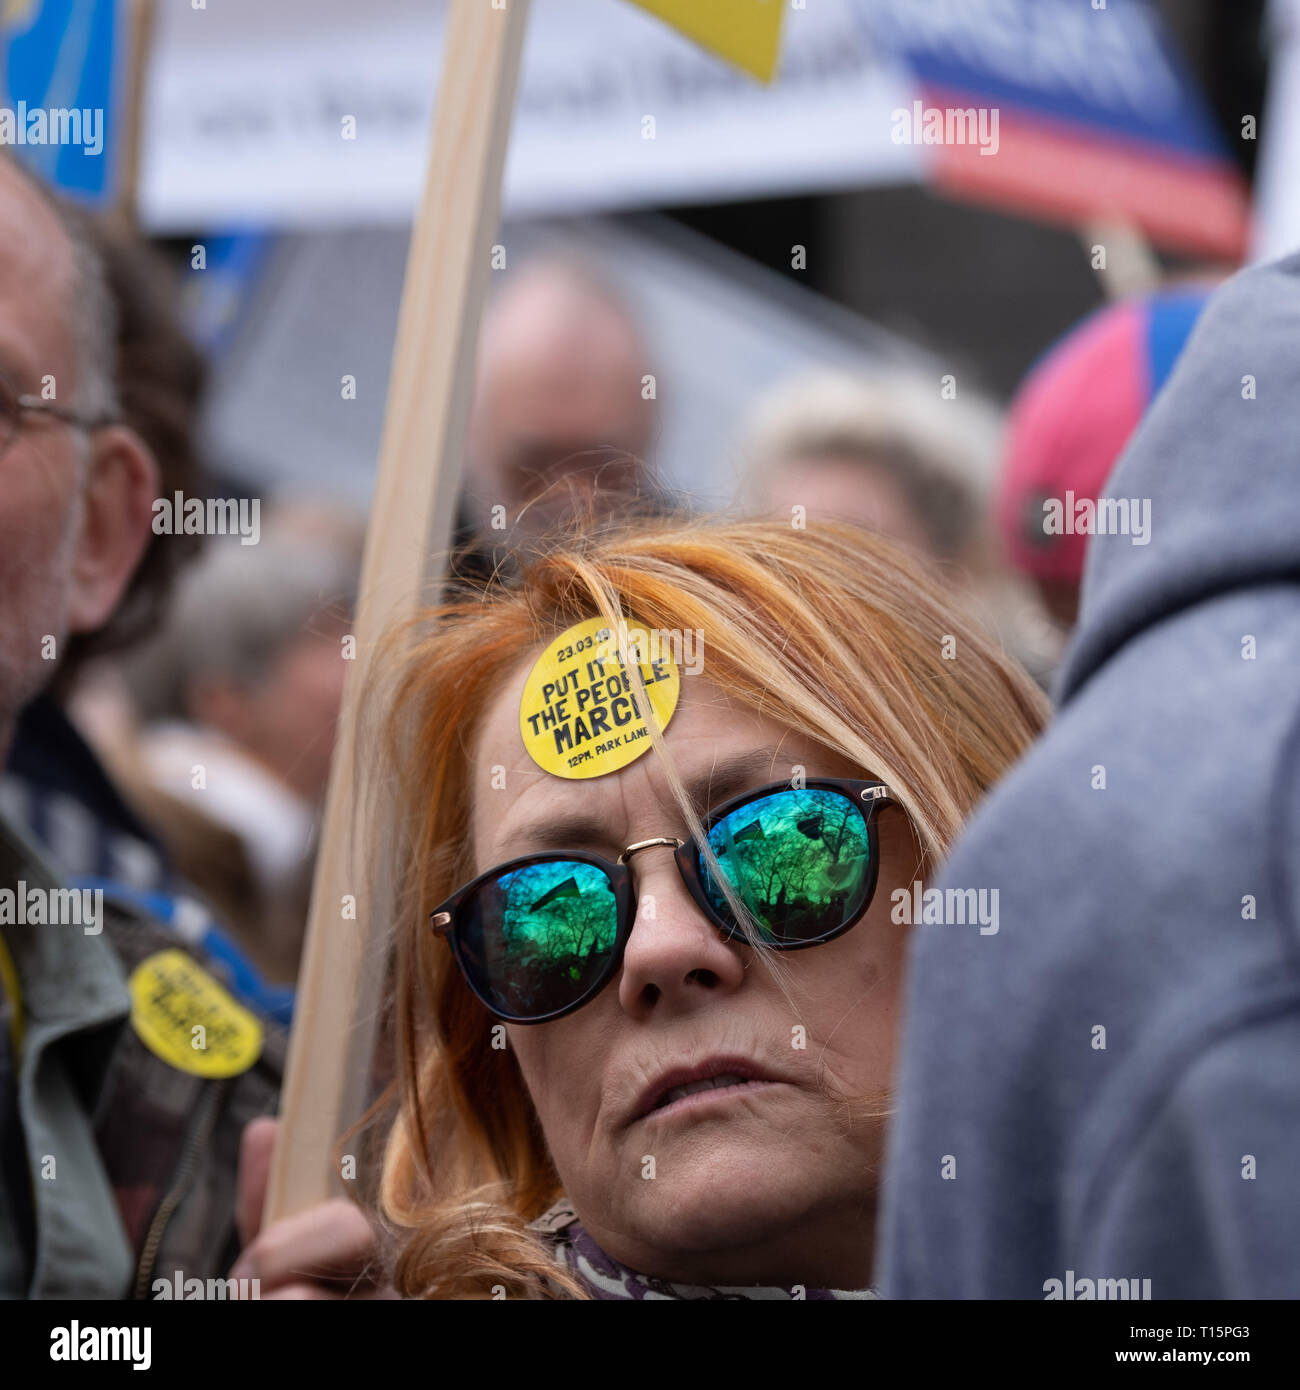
(1108, 1087)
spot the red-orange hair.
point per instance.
(834, 632)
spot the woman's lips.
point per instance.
(715, 1095)
(708, 1072)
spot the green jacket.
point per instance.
(117, 1165)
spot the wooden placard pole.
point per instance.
(406, 543)
(139, 38)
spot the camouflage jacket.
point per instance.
(104, 1101)
(170, 1139)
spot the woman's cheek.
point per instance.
(854, 999)
(552, 1071)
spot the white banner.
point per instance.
(720, 330)
(1277, 180)
(308, 113)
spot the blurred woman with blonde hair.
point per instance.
(664, 804)
(888, 452)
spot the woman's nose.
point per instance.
(675, 958)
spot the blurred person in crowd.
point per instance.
(54, 782)
(888, 453)
(613, 967)
(876, 451)
(329, 526)
(1074, 413)
(1114, 1077)
(145, 1143)
(148, 1143)
(561, 422)
(240, 694)
(72, 778)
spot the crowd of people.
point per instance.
(839, 963)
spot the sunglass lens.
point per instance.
(800, 861)
(536, 939)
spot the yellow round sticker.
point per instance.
(580, 715)
(183, 1015)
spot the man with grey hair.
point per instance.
(78, 488)
(93, 1118)
(120, 1143)
(54, 782)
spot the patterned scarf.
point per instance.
(607, 1279)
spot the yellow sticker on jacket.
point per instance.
(184, 1016)
(579, 715)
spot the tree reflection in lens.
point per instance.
(544, 933)
(799, 860)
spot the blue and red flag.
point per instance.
(1089, 113)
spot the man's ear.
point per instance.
(116, 524)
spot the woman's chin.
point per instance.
(708, 1208)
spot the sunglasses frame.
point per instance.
(868, 796)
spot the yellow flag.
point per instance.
(744, 32)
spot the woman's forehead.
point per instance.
(711, 737)
(704, 713)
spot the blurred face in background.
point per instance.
(767, 1184)
(74, 507)
(559, 409)
(41, 467)
(286, 721)
(847, 489)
